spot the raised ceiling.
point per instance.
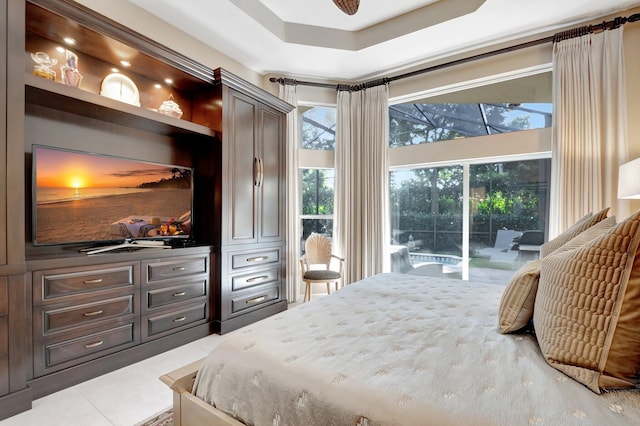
(314, 39)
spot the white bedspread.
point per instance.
(398, 349)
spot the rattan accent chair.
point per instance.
(316, 264)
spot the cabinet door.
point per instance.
(241, 198)
(270, 214)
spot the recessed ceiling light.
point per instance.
(69, 40)
(125, 63)
(115, 70)
(168, 81)
(157, 86)
(60, 49)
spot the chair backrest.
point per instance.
(317, 250)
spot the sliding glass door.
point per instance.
(479, 221)
(426, 219)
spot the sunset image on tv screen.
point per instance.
(82, 197)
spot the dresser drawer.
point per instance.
(162, 270)
(79, 315)
(243, 281)
(256, 298)
(90, 346)
(60, 283)
(255, 258)
(174, 294)
(176, 318)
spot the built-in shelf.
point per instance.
(40, 91)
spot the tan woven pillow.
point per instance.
(516, 305)
(587, 309)
(584, 223)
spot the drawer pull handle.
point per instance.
(94, 313)
(179, 319)
(95, 281)
(255, 300)
(257, 258)
(94, 344)
(179, 269)
(260, 278)
(179, 293)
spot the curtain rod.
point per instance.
(564, 35)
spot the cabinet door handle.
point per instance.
(94, 313)
(179, 293)
(257, 258)
(261, 164)
(94, 344)
(260, 278)
(179, 269)
(179, 319)
(256, 171)
(94, 281)
(255, 300)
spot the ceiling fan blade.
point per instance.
(350, 7)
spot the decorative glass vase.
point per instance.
(43, 65)
(70, 74)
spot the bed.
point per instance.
(558, 345)
(392, 349)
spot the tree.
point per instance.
(317, 199)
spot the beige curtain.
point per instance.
(361, 212)
(288, 94)
(589, 135)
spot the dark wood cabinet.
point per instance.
(82, 313)
(176, 295)
(252, 282)
(15, 395)
(255, 171)
(102, 312)
(66, 316)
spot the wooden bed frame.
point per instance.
(187, 409)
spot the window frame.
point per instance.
(312, 159)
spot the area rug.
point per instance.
(163, 419)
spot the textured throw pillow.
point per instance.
(584, 223)
(587, 309)
(516, 305)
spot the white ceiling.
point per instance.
(314, 39)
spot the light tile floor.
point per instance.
(124, 397)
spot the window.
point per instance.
(426, 209)
(317, 201)
(317, 177)
(418, 123)
(507, 196)
(318, 128)
(506, 199)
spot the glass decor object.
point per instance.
(43, 65)
(170, 108)
(70, 74)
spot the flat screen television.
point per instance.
(83, 197)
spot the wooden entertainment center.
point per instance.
(66, 316)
